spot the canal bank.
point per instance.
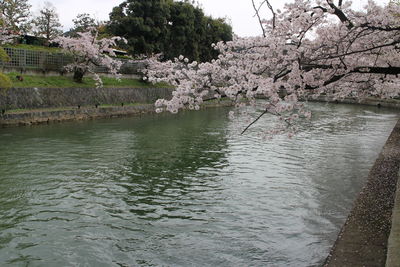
(364, 238)
(369, 101)
(371, 233)
(45, 98)
(27, 106)
(393, 255)
(52, 115)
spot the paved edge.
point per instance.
(49, 115)
(364, 237)
(384, 103)
(393, 255)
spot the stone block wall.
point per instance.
(32, 98)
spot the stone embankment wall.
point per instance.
(36, 98)
(384, 103)
(25, 106)
(72, 114)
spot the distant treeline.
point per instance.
(168, 27)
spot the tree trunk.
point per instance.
(78, 75)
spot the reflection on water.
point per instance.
(183, 190)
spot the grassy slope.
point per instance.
(34, 47)
(31, 81)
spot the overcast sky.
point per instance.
(239, 12)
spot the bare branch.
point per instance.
(390, 70)
(359, 51)
(257, 10)
(378, 70)
(259, 117)
(376, 61)
(339, 13)
(273, 14)
(386, 29)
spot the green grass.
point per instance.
(31, 81)
(34, 47)
(119, 104)
(24, 110)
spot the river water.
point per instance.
(183, 190)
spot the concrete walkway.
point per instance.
(393, 255)
(363, 240)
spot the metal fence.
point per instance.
(23, 60)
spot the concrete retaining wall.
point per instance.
(384, 103)
(72, 113)
(34, 98)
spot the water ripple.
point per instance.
(183, 190)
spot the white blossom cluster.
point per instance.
(310, 48)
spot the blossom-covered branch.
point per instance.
(5, 37)
(310, 48)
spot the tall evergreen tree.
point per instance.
(214, 30)
(47, 23)
(192, 33)
(143, 23)
(182, 37)
(168, 27)
(83, 22)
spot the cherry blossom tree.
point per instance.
(88, 51)
(5, 37)
(308, 49)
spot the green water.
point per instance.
(183, 190)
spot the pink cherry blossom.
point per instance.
(89, 51)
(310, 48)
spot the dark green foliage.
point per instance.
(168, 27)
(47, 23)
(182, 37)
(143, 23)
(5, 83)
(31, 81)
(214, 30)
(3, 55)
(83, 22)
